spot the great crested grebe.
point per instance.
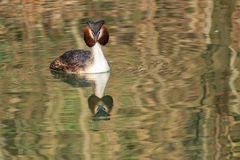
(83, 61)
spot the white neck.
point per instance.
(100, 63)
(100, 81)
(100, 84)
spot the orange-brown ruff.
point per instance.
(83, 61)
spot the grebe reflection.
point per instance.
(100, 107)
(99, 103)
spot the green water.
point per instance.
(174, 81)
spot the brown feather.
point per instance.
(73, 61)
(88, 37)
(104, 36)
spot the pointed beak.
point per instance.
(101, 113)
(95, 27)
(96, 35)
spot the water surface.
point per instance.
(174, 81)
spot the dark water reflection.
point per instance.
(173, 92)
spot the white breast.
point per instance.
(100, 63)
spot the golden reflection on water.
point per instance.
(174, 81)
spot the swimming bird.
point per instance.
(96, 35)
